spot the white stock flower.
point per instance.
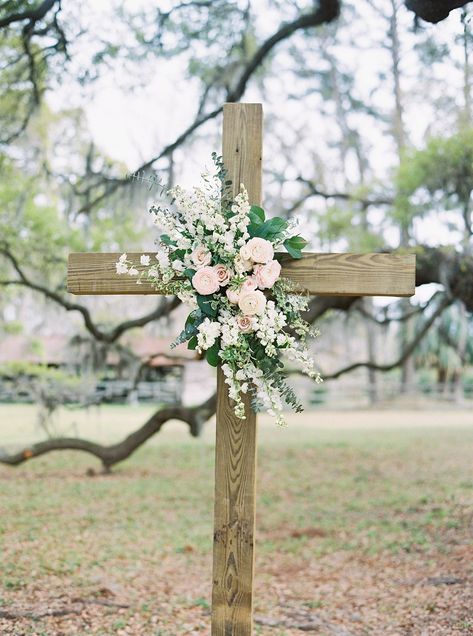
(208, 332)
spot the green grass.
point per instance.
(352, 489)
(320, 490)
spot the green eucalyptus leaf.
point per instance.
(189, 273)
(205, 306)
(211, 354)
(192, 344)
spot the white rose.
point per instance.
(241, 265)
(144, 259)
(260, 250)
(245, 253)
(252, 302)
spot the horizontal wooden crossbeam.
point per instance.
(318, 274)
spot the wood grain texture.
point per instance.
(235, 450)
(234, 520)
(318, 274)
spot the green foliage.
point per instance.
(439, 176)
(295, 245)
(212, 354)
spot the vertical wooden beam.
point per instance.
(235, 453)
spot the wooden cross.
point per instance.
(235, 454)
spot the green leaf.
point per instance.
(166, 239)
(256, 215)
(211, 354)
(269, 229)
(192, 344)
(189, 273)
(293, 252)
(297, 242)
(193, 321)
(205, 306)
(177, 254)
(294, 245)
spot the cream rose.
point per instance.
(252, 302)
(268, 274)
(242, 265)
(245, 323)
(260, 250)
(223, 274)
(205, 281)
(233, 296)
(201, 256)
(245, 253)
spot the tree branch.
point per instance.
(346, 196)
(195, 417)
(434, 10)
(404, 355)
(328, 11)
(163, 308)
(32, 15)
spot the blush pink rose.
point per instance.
(245, 323)
(250, 284)
(268, 274)
(223, 274)
(201, 256)
(252, 303)
(259, 250)
(205, 281)
(233, 296)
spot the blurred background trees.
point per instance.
(368, 139)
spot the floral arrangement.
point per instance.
(218, 256)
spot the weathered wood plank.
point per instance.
(234, 519)
(319, 274)
(235, 449)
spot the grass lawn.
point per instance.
(364, 528)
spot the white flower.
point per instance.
(252, 302)
(121, 267)
(133, 271)
(163, 259)
(144, 259)
(245, 253)
(123, 258)
(178, 265)
(208, 333)
(260, 250)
